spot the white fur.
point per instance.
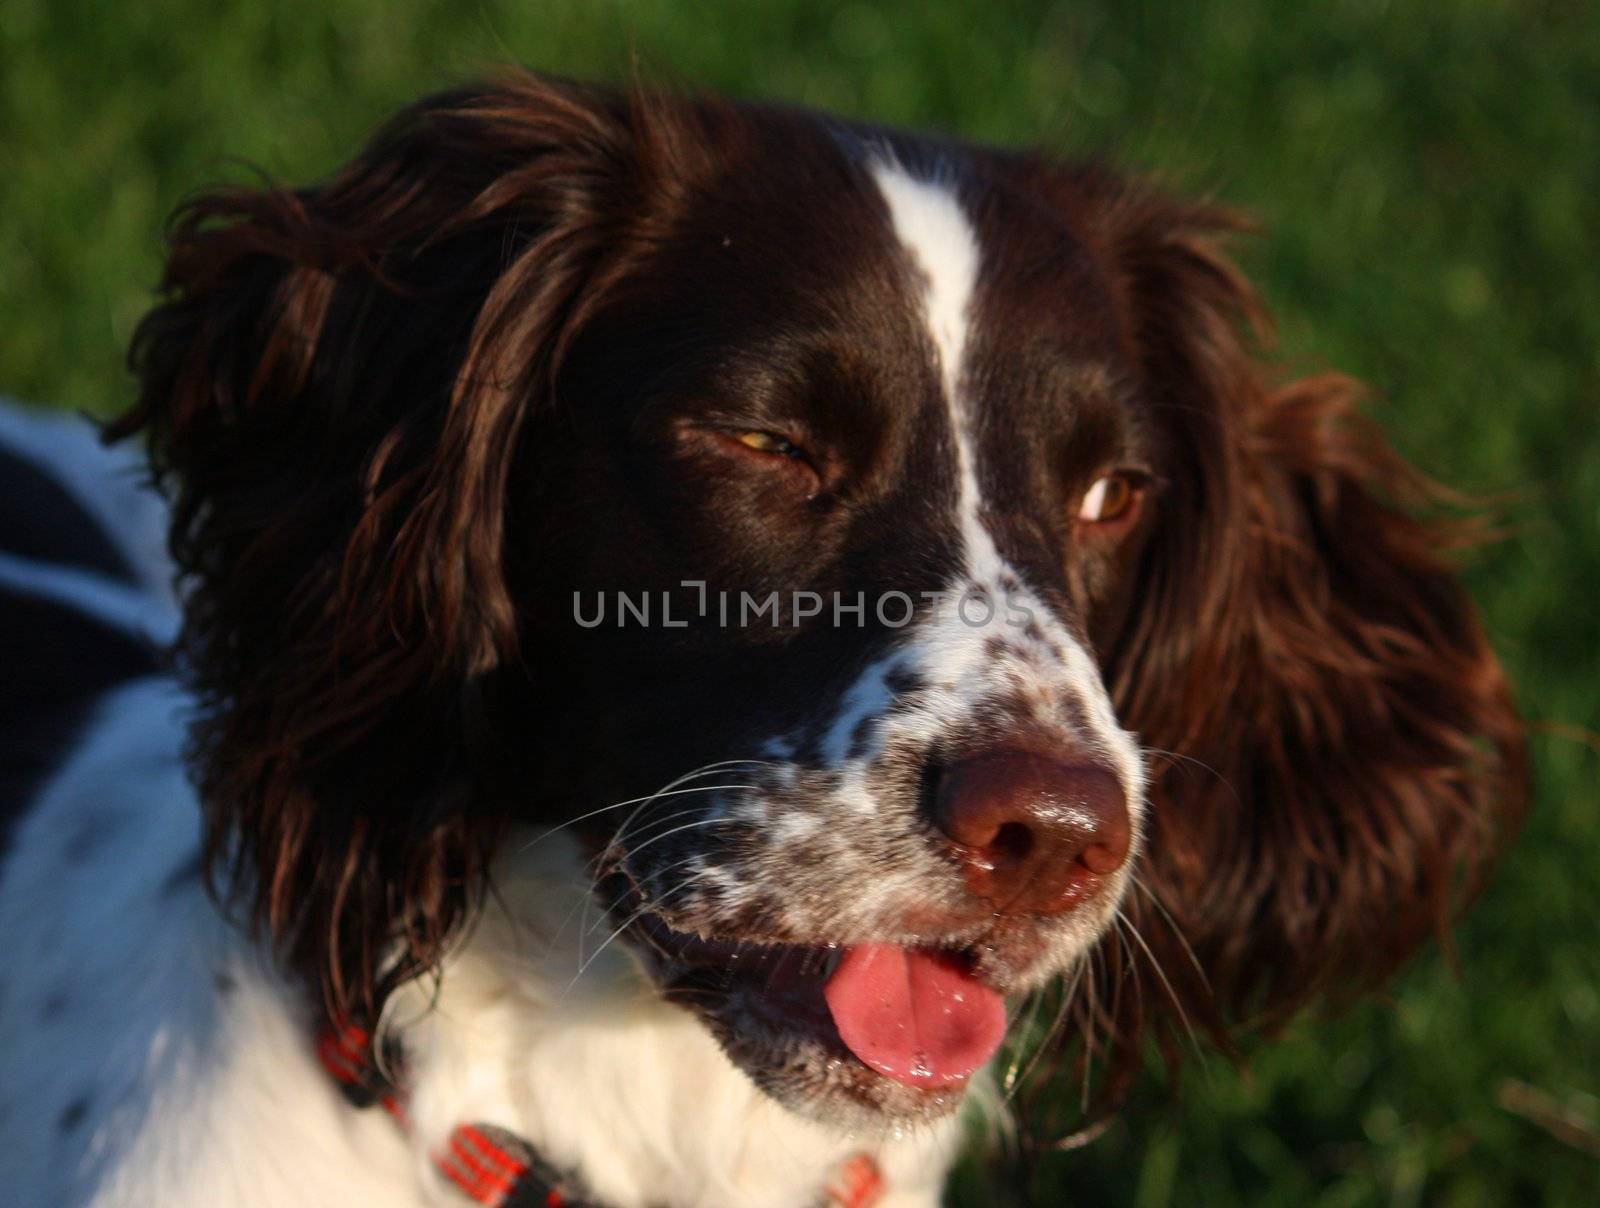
(934, 231)
(868, 696)
(193, 1061)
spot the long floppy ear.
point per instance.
(334, 389)
(1336, 759)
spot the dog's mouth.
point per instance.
(862, 1032)
(916, 1016)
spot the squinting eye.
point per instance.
(770, 442)
(1108, 499)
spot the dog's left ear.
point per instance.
(1336, 759)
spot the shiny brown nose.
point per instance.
(1034, 835)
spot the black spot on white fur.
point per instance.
(73, 1114)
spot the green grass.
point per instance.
(1427, 175)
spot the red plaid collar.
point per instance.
(489, 1165)
(498, 1169)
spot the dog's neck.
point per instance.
(542, 1024)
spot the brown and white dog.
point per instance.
(688, 609)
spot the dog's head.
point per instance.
(888, 555)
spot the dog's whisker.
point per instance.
(677, 830)
(1172, 923)
(1034, 1003)
(633, 918)
(1178, 758)
(1177, 1003)
(669, 790)
(655, 821)
(641, 804)
(657, 900)
(1127, 969)
(1057, 1025)
(1092, 994)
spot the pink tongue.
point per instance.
(912, 1016)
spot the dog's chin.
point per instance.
(767, 1006)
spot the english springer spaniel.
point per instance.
(696, 619)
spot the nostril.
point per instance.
(1012, 843)
(1104, 859)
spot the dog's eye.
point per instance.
(1109, 499)
(770, 442)
(765, 454)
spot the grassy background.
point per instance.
(1428, 176)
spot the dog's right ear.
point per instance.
(334, 390)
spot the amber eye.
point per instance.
(770, 442)
(1108, 499)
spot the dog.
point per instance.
(685, 610)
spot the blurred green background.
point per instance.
(1428, 181)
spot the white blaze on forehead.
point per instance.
(934, 231)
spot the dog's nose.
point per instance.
(1033, 835)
